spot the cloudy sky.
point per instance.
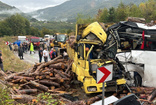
(31, 5)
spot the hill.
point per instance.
(69, 9)
(7, 10)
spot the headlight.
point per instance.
(92, 88)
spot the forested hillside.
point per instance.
(70, 9)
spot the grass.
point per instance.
(10, 61)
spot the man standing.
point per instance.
(40, 53)
(52, 53)
(20, 52)
(1, 61)
(45, 55)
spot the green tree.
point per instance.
(17, 24)
(111, 15)
(45, 31)
(121, 12)
(5, 29)
(104, 16)
(34, 31)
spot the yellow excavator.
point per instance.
(92, 48)
(59, 43)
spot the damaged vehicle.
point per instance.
(138, 45)
(94, 47)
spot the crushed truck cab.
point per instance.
(92, 49)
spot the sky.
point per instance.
(32, 5)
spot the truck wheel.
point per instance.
(137, 80)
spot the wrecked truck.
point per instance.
(138, 45)
(92, 48)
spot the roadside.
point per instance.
(10, 61)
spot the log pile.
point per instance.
(145, 94)
(53, 77)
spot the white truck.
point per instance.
(48, 37)
(21, 38)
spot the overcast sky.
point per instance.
(31, 5)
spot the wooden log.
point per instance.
(58, 72)
(28, 91)
(69, 66)
(15, 81)
(47, 63)
(93, 99)
(2, 73)
(57, 66)
(27, 99)
(59, 78)
(46, 82)
(47, 76)
(39, 86)
(12, 75)
(152, 95)
(51, 74)
(53, 78)
(22, 77)
(42, 77)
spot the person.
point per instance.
(20, 52)
(40, 53)
(45, 55)
(31, 48)
(87, 50)
(1, 61)
(16, 47)
(52, 53)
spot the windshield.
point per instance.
(61, 38)
(46, 36)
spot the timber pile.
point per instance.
(145, 94)
(53, 77)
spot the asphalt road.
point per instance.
(31, 58)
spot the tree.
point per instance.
(121, 12)
(104, 16)
(17, 24)
(111, 15)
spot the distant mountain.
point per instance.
(7, 10)
(69, 9)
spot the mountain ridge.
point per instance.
(69, 9)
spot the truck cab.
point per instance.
(86, 54)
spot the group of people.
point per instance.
(44, 53)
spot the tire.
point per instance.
(137, 80)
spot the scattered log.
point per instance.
(2, 73)
(12, 75)
(39, 86)
(45, 82)
(152, 95)
(27, 91)
(22, 77)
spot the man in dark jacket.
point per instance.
(40, 53)
(1, 61)
(20, 52)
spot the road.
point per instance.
(31, 58)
